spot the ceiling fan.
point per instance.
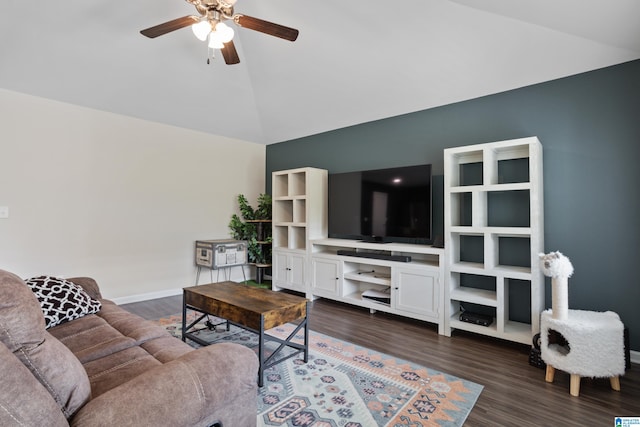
(210, 24)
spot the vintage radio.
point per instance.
(216, 254)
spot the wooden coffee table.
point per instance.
(254, 309)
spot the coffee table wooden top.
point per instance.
(255, 308)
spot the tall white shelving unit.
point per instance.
(491, 252)
(299, 215)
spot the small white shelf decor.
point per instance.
(494, 232)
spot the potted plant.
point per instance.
(254, 227)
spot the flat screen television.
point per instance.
(381, 205)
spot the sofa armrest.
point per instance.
(23, 400)
(89, 285)
(191, 390)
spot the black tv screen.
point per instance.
(382, 205)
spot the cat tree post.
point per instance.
(560, 297)
(559, 268)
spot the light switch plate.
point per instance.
(4, 211)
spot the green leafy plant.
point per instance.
(247, 212)
(264, 207)
(250, 228)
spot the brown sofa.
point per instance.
(113, 368)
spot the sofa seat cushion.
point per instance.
(167, 348)
(117, 368)
(22, 331)
(91, 337)
(130, 325)
(111, 330)
(61, 300)
(115, 345)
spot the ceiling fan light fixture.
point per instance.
(214, 41)
(201, 29)
(225, 32)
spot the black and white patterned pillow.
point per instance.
(61, 300)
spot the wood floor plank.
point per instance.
(515, 393)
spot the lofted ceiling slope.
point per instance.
(354, 61)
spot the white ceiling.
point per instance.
(355, 61)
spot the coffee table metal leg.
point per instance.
(184, 320)
(261, 353)
(306, 333)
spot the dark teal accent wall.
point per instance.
(589, 126)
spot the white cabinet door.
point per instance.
(416, 291)
(280, 268)
(289, 270)
(325, 277)
(296, 271)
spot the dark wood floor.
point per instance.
(515, 393)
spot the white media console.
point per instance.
(411, 275)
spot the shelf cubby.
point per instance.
(508, 209)
(283, 211)
(297, 237)
(366, 273)
(299, 211)
(280, 236)
(473, 288)
(471, 174)
(298, 184)
(513, 251)
(361, 277)
(511, 171)
(472, 248)
(280, 186)
(518, 297)
(461, 209)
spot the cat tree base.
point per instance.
(585, 344)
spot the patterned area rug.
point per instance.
(344, 385)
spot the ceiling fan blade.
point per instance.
(266, 27)
(170, 26)
(230, 54)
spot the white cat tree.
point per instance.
(586, 343)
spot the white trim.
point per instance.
(148, 296)
(634, 356)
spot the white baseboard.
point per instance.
(634, 356)
(147, 296)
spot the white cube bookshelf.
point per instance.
(299, 215)
(494, 231)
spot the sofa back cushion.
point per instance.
(22, 331)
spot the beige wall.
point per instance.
(113, 197)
